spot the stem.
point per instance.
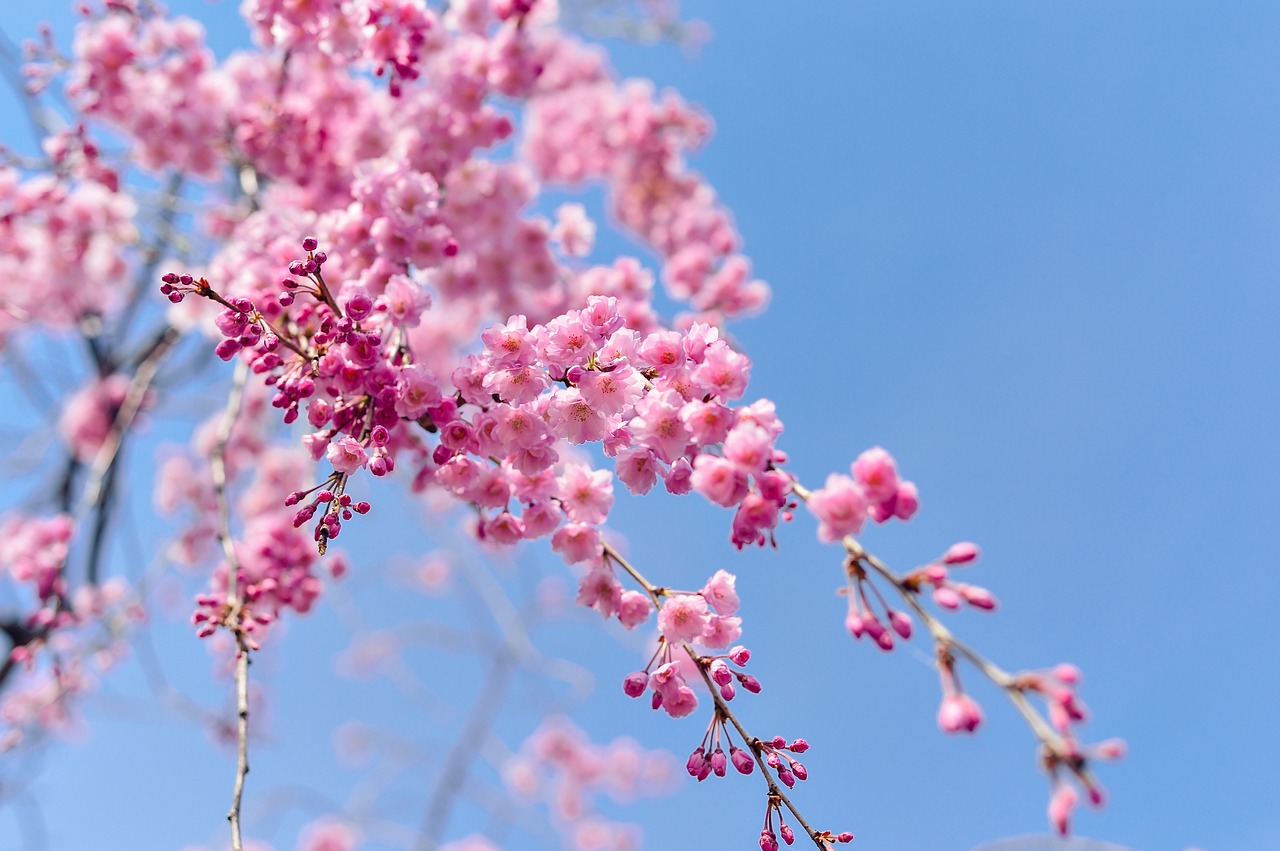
(234, 606)
(947, 641)
(722, 706)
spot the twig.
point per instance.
(219, 464)
(722, 706)
(1009, 683)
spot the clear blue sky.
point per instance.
(1031, 248)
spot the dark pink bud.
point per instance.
(285, 299)
(696, 761)
(788, 835)
(961, 553)
(361, 507)
(799, 746)
(170, 278)
(788, 779)
(740, 655)
(799, 770)
(749, 683)
(901, 623)
(718, 762)
(727, 691)
(295, 268)
(778, 742)
(979, 598)
(635, 684)
(320, 258)
(720, 673)
(227, 349)
(310, 243)
(845, 837)
(768, 842)
(741, 760)
(1060, 807)
(885, 640)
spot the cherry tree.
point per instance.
(346, 249)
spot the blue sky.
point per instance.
(1031, 249)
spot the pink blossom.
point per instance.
(587, 494)
(720, 593)
(574, 230)
(876, 471)
(683, 617)
(840, 507)
(638, 469)
(719, 480)
(346, 455)
(634, 608)
(577, 542)
(599, 589)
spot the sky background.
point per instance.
(1031, 249)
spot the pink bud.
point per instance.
(946, 597)
(799, 746)
(854, 623)
(845, 837)
(696, 761)
(767, 841)
(959, 713)
(788, 835)
(720, 673)
(635, 684)
(1112, 749)
(788, 779)
(740, 655)
(718, 762)
(1060, 807)
(1068, 673)
(901, 623)
(779, 742)
(749, 683)
(727, 691)
(799, 770)
(961, 553)
(979, 598)
(741, 760)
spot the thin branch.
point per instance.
(722, 706)
(946, 640)
(235, 608)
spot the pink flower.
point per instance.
(657, 425)
(572, 417)
(587, 494)
(719, 480)
(720, 594)
(683, 617)
(840, 507)
(638, 469)
(600, 590)
(574, 230)
(720, 632)
(577, 542)
(750, 447)
(634, 608)
(346, 455)
(876, 471)
(416, 391)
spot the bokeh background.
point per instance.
(1031, 248)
